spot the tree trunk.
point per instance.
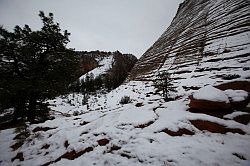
(19, 109)
(32, 107)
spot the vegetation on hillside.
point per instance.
(34, 66)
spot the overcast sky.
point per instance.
(130, 26)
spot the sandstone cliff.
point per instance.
(207, 40)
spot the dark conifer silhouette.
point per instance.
(34, 66)
(164, 82)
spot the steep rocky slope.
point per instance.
(206, 36)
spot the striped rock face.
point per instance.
(208, 42)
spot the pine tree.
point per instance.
(164, 82)
(34, 66)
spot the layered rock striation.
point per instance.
(208, 42)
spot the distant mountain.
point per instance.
(111, 67)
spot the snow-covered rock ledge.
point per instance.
(210, 98)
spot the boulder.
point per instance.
(206, 105)
(209, 98)
(211, 93)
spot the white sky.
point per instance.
(130, 26)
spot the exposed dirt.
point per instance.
(22, 135)
(215, 113)
(46, 146)
(125, 155)
(144, 125)
(247, 109)
(70, 155)
(139, 104)
(43, 129)
(73, 154)
(66, 144)
(114, 148)
(239, 156)
(236, 85)
(17, 145)
(18, 156)
(244, 119)
(8, 125)
(180, 132)
(190, 88)
(83, 123)
(85, 132)
(240, 105)
(103, 142)
(214, 127)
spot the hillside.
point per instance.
(107, 69)
(101, 63)
(207, 51)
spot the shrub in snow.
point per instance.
(125, 100)
(230, 76)
(85, 99)
(246, 68)
(75, 113)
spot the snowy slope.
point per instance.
(133, 135)
(104, 64)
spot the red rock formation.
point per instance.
(206, 105)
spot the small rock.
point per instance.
(103, 142)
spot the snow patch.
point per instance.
(211, 94)
(236, 95)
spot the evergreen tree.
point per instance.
(107, 82)
(85, 99)
(164, 82)
(76, 86)
(34, 66)
(91, 82)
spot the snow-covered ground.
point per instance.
(134, 133)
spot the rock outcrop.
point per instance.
(207, 105)
(208, 42)
(209, 99)
(212, 101)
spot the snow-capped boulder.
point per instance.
(211, 93)
(209, 98)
